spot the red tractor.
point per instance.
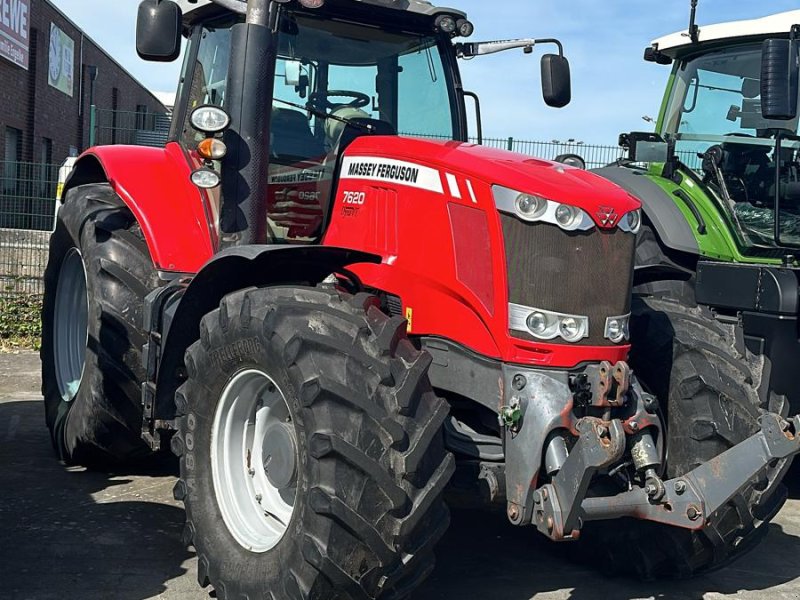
(331, 306)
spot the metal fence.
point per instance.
(27, 205)
(28, 190)
(23, 257)
(27, 193)
(594, 155)
(110, 127)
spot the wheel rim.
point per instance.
(254, 460)
(71, 325)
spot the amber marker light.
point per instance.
(212, 149)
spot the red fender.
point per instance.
(155, 184)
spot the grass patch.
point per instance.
(20, 323)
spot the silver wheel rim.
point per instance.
(255, 510)
(71, 325)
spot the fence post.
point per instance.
(92, 125)
(511, 144)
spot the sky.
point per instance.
(612, 87)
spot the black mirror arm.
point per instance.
(478, 123)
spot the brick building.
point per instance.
(50, 74)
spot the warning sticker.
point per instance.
(392, 171)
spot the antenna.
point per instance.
(694, 30)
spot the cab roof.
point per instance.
(675, 44)
(421, 7)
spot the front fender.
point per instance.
(231, 270)
(154, 183)
(669, 222)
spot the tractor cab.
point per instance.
(334, 81)
(731, 118)
(331, 72)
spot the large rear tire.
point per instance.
(344, 498)
(709, 388)
(98, 273)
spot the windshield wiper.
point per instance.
(323, 115)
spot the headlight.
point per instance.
(535, 209)
(631, 222)
(210, 119)
(530, 207)
(547, 325)
(446, 23)
(538, 323)
(571, 329)
(566, 216)
(206, 179)
(465, 28)
(618, 328)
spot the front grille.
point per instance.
(580, 273)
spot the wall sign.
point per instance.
(60, 73)
(15, 29)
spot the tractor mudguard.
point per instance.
(662, 211)
(173, 313)
(154, 183)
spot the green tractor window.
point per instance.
(714, 115)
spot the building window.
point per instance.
(46, 152)
(142, 122)
(12, 155)
(46, 168)
(114, 114)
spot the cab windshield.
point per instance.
(355, 71)
(715, 109)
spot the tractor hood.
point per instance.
(551, 180)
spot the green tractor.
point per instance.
(720, 185)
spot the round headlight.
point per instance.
(530, 207)
(615, 330)
(465, 28)
(634, 220)
(566, 215)
(446, 23)
(210, 119)
(312, 3)
(570, 329)
(537, 323)
(206, 179)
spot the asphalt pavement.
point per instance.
(67, 533)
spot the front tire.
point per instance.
(709, 388)
(98, 273)
(364, 431)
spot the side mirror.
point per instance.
(158, 30)
(645, 147)
(294, 69)
(556, 81)
(572, 160)
(653, 55)
(779, 79)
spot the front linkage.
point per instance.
(619, 428)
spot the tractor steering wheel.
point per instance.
(321, 99)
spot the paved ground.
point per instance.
(70, 534)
